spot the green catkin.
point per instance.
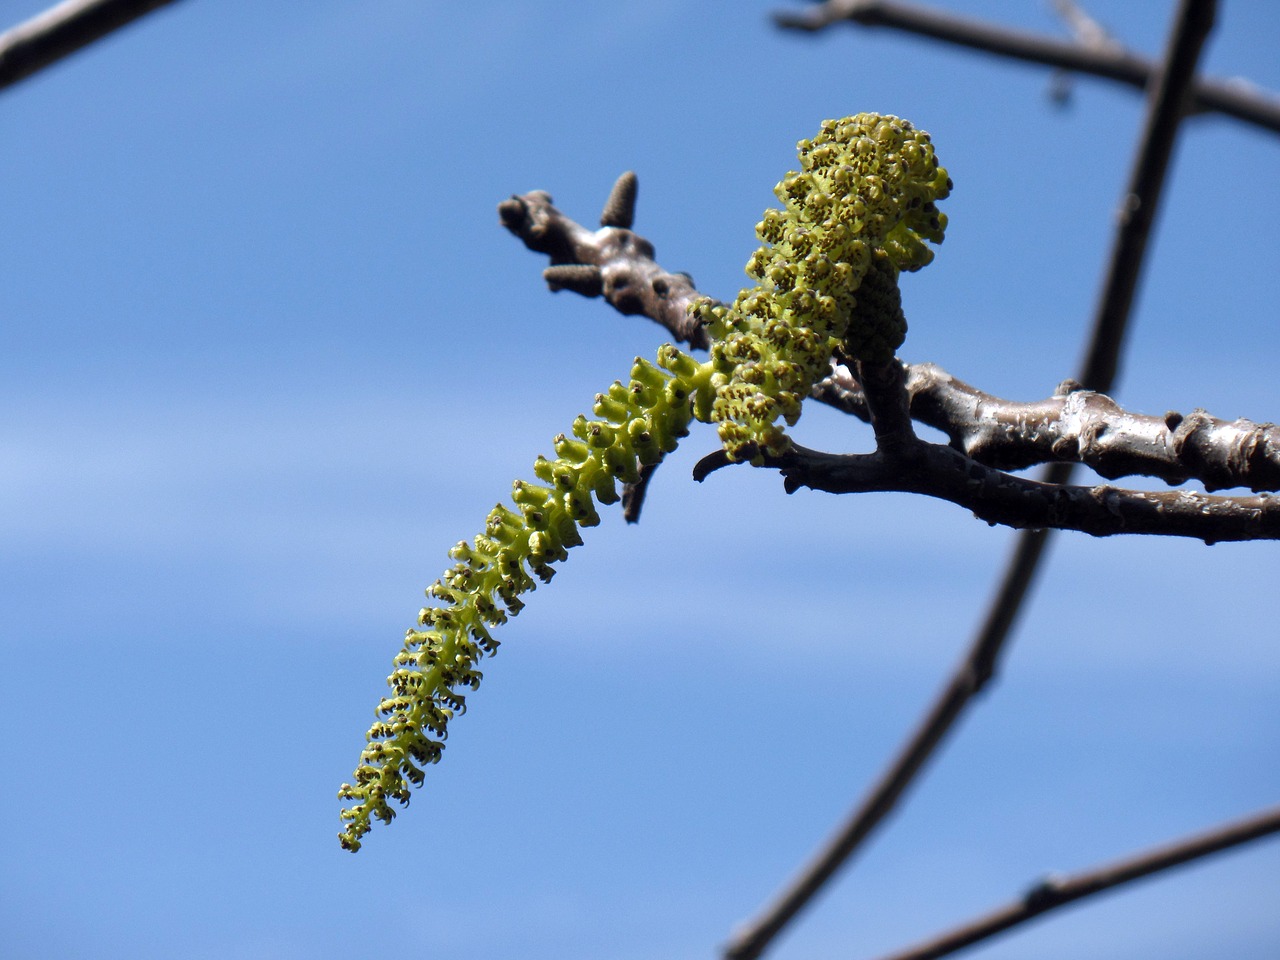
(856, 214)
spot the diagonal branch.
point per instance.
(1165, 108)
(1233, 98)
(48, 37)
(1054, 892)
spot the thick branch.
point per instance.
(62, 30)
(1231, 97)
(1054, 892)
(613, 262)
(1080, 426)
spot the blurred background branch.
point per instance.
(1234, 98)
(1055, 891)
(1166, 102)
(62, 30)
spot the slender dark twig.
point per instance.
(62, 30)
(633, 494)
(1230, 97)
(1054, 892)
(1165, 108)
(1141, 198)
(934, 470)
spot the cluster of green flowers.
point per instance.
(858, 212)
(638, 423)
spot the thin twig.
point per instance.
(1054, 892)
(1230, 97)
(613, 262)
(633, 494)
(1165, 108)
(1141, 198)
(1103, 510)
(62, 30)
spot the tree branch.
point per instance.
(613, 262)
(1141, 199)
(1079, 426)
(1054, 892)
(1230, 97)
(1073, 426)
(887, 404)
(1165, 107)
(62, 30)
(1001, 498)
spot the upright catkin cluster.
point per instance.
(856, 214)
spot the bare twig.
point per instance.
(1165, 107)
(633, 494)
(1141, 198)
(62, 30)
(1054, 892)
(1228, 97)
(1000, 498)
(613, 262)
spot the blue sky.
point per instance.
(265, 354)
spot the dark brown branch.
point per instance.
(1001, 498)
(1230, 97)
(1054, 892)
(62, 30)
(982, 659)
(613, 262)
(888, 407)
(1141, 198)
(1080, 426)
(633, 494)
